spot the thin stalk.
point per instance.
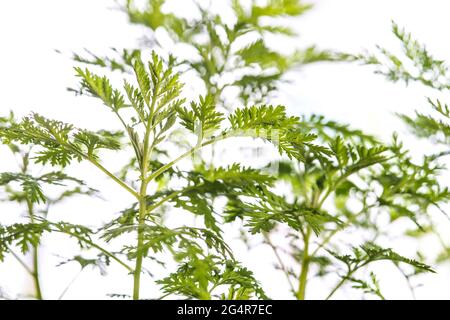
(408, 282)
(164, 296)
(140, 242)
(112, 176)
(95, 163)
(166, 167)
(325, 241)
(35, 257)
(167, 198)
(35, 252)
(303, 279)
(316, 202)
(70, 284)
(96, 246)
(340, 283)
(332, 188)
(280, 262)
(37, 283)
(330, 236)
(22, 263)
(143, 199)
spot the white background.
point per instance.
(35, 77)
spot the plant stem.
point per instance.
(35, 257)
(73, 149)
(349, 274)
(303, 279)
(280, 262)
(139, 253)
(70, 284)
(89, 242)
(34, 271)
(37, 284)
(113, 177)
(22, 263)
(143, 200)
(164, 168)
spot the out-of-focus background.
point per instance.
(34, 76)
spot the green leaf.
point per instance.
(370, 252)
(373, 287)
(202, 118)
(25, 236)
(272, 124)
(275, 8)
(258, 53)
(101, 88)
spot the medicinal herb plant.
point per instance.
(332, 183)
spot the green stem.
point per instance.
(72, 148)
(325, 241)
(143, 203)
(70, 284)
(35, 257)
(157, 173)
(140, 242)
(37, 284)
(166, 167)
(22, 263)
(34, 271)
(167, 198)
(303, 279)
(96, 246)
(170, 197)
(343, 280)
(280, 262)
(330, 236)
(112, 176)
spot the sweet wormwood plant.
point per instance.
(26, 187)
(345, 184)
(416, 64)
(232, 52)
(157, 106)
(366, 181)
(224, 57)
(220, 57)
(340, 180)
(350, 182)
(216, 59)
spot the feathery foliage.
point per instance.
(28, 189)
(224, 57)
(417, 64)
(331, 180)
(354, 181)
(158, 107)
